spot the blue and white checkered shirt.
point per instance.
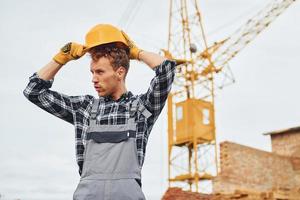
(76, 109)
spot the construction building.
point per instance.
(249, 173)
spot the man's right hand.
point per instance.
(71, 51)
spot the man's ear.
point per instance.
(121, 72)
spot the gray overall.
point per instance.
(111, 170)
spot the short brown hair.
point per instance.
(117, 53)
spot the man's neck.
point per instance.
(117, 95)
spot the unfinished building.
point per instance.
(249, 173)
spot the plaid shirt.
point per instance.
(76, 109)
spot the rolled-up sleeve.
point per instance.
(160, 86)
(60, 105)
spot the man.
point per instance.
(111, 131)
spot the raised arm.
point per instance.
(38, 89)
(160, 86)
(151, 59)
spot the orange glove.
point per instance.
(71, 51)
(133, 49)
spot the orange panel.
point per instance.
(194, 118)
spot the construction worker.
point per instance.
(112, 130)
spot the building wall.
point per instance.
(286, 144)
(246, 168)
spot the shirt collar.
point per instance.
(124, 96)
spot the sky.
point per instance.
(38, 151)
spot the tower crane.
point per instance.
(192, 148)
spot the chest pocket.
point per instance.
(123, 108)
(115, 114)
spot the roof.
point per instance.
(283, 131)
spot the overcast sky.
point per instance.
(37, 150)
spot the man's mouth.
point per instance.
(97, 88)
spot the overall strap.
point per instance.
(142, 109)
(133, 107)
(132, 111)
(94, 112)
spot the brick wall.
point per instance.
(247, 168)
(286, 143)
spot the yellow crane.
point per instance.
(192, 148)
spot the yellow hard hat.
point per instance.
(103, 34)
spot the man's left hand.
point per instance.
(133, 49)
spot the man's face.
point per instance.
(106, 80)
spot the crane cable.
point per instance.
(129, 13)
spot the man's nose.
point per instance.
(94, 79)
